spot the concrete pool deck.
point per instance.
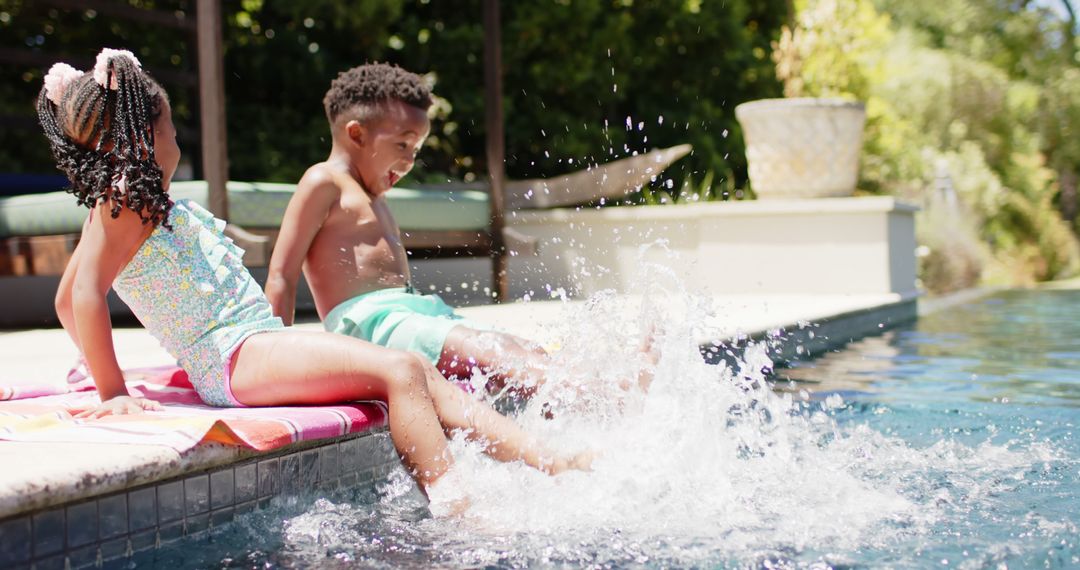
(45, 479)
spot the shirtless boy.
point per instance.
(339, 230)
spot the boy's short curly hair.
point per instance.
(362, 88)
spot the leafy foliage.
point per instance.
(970, 103)
(576, 74)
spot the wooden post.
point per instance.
(212, 105)
(495, 145)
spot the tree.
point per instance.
(575, 73)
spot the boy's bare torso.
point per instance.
(357, 250)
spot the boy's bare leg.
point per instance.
(519, 363)
(503, 439)
(512, 362)
(650, 356)
(294, 367)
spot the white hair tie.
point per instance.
(57, 80)
(101, 66)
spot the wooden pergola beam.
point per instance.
(26, 58)
(212, 105)
(176, 19)
(495, 146)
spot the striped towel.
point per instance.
(45, 414)
(14, 390)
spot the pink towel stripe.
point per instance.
(47, 416)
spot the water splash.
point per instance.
(710, 466)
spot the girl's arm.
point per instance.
(107, 245)
(62, 302)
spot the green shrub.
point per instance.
(951, 256)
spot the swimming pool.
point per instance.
(950, 442)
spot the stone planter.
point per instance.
(802, 148)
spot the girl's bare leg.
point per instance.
(503, 439)
(295, 367)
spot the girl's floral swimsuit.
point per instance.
(190, 289)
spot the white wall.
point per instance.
(823, 245)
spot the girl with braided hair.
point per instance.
(112, 134)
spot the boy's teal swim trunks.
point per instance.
(397, 318)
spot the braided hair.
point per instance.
(103, 139)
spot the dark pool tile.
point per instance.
(48, 532)
(113, 516)
(146, 540)
(222, 516)
(247, 482)
(113, 549)
(196, 495)
(349, 454)
(58, 562)
(290, 473)
(196, 524)
(378, 473)
(14, 541)
(82, 524)
(385, 445)
(329, 462)
(170, 532)
(246, 507)
(309, 470)
(170, 501)
(144, 559)
(86, 557)
(122, 563)
(330, 486)
(269, 473)
(142, 508)
(365, 453)
(384, 455)
(222, 489)
(348, 481)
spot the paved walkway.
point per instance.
(40, 475)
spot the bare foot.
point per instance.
(445, 498)
(579, 462)
(451, 509)
(650, 355)
(79, 371)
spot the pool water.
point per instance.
(950, 442)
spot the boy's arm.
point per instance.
(303, 219)
(107, 245)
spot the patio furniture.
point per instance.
(38, 232)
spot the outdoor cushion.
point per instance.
(254, 205)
